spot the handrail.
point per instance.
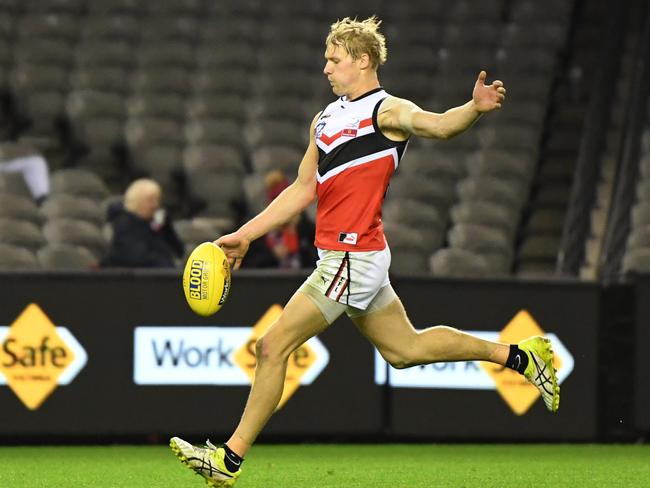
(592, 145)
(618, 222)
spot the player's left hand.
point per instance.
(488, 97)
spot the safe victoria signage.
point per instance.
(217, 356)
(38, 356)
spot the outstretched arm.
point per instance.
(401, 118)
(293, 200)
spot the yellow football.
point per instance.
(206, 279)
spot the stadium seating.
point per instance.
(204, 97)
(65, 257)
(636, 258)
(16, 258)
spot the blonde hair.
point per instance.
(137, 190)
(359, 37)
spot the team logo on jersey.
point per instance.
(318, 130)
(348, 237)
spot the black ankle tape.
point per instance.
(517, 359)
(232, 460)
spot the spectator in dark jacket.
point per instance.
(142, 236)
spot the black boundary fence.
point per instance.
(183, 374)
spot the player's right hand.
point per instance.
(235, 246)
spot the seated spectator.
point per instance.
(20, 158)
(293, 243)
(142, 235)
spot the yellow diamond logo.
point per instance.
(518, 393)
(35, 358)
(300, 361)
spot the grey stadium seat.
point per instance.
(433, 163)
(417, 187)
(219, 186)
(401, 237)
(230, 106)
(44, 51)
(213, 157)
(644, 166)
(486, 213)
(636, 261)
(64, 206)
(94, 103)
(480, 238)
(156, 104)
(301, 56)
(643, 190)
(194, 232)
(458, 263)
(38, 77)
(168, 27)
(99, 133)
(162, 79)
(501, 164)
(78, 182)
(214, 131)
(273, 131)
(101, 78)
(76, 232)
(14, 184)
(61, 257)
(110, 27)
(115, 7)
(641, 214)
(408, 261)
(639, 238)
(178, 8)
(219, 82)
(21, 233)
(255, 193)
(69, 7)
(240, 55)
(105, 53)
(148, 130)
(159, 160)
(413, 213)
(535, 35)
(19, 207)
(16, 258)
(166, 53)
(491, 189)
(298, 83)
(286, 158)
(513, 136)
(50, 26)
(290, 108)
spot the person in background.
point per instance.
(20, 158)
(143, 237)
(291, 244)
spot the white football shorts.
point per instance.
(350, 282)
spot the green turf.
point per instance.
(348, 466)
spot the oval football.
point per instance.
(206, 279)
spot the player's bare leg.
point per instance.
(221, 466)
(399, 343)
(300, 321)
(390, 330)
